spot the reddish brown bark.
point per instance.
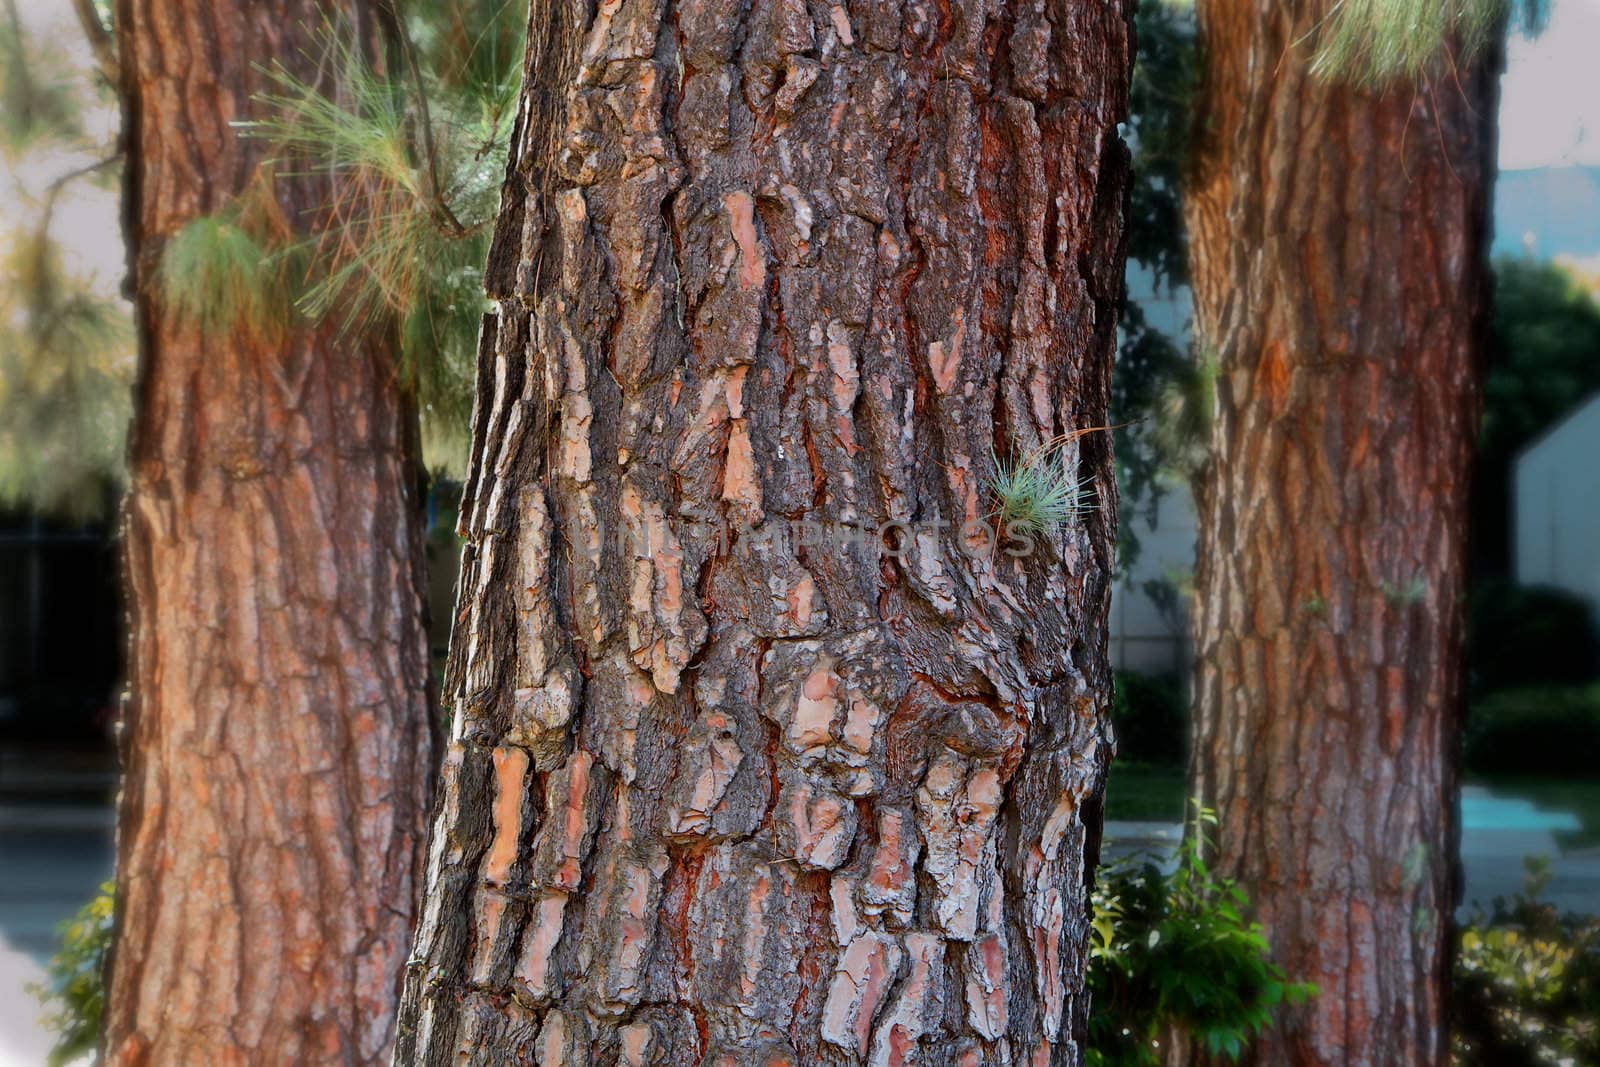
(1337, 244)
(721, 797)
(276, 738)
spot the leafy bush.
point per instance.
(1150, 712)
(1171, 956)
(1527, 983)
(1529, 635)
(1535, 730)
(74, 989)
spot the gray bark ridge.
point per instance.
(737, 775)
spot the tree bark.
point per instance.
(717, 793)
(1337, 243)
(277, 737)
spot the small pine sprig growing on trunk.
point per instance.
(1037, 490)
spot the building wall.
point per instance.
(1557, 492)
(1150, 633)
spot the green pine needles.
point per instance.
(40, 101)
(1037, 491)
(1373, 43)
(413, 156)
(217, 277)
(66, 365)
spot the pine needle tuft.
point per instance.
(1373, 43)
(1036, 492)
(219, 279)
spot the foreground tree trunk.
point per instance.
(1337, 245)
(277, 739)
(718, 793)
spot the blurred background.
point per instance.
(1532, 748)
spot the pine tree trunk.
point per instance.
(276, 740)
(721, 794)
(1338, 250)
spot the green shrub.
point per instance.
(74, 986)
(1173, 955)
(1143, 792)
(1529, 635)
(1151, 715)
(1541, 730)
(1527, 983)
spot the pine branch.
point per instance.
(61, 181)
(424, 122)
(104, 48)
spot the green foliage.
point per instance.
(1150, 712)
(1521, 635)
(416, 154)
(66, 360)
(1545, 730)
(39, 101)
(473, 48)
(1541, 366)
(1166, 77)
(1547, 332)
(217, 277)
(1527, 982)
(1036, 491)
(1182, 430)
(1145, 792)
(1165, 74)
(423, 152)
(1376, 42)
(1405, 594)
(1173, 956)
(74, 987)
(66, 366)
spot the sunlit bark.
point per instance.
(716, 795)
(276, 739)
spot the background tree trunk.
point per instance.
(277, 737)
(1338, 250)
(717, 794)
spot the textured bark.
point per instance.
(1337, 244)
(276, 741)
(716, 794)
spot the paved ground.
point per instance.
(54, 856)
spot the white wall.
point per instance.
(1557, 533)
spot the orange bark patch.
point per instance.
(742, 216)
(570, 873)
(539, 945)
(986, 988)
(733, 391)
(1272, 377)
(510, 771)
(800, 600)
(861, 724)
(841, 23)
(815, 711)
(491, 907)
